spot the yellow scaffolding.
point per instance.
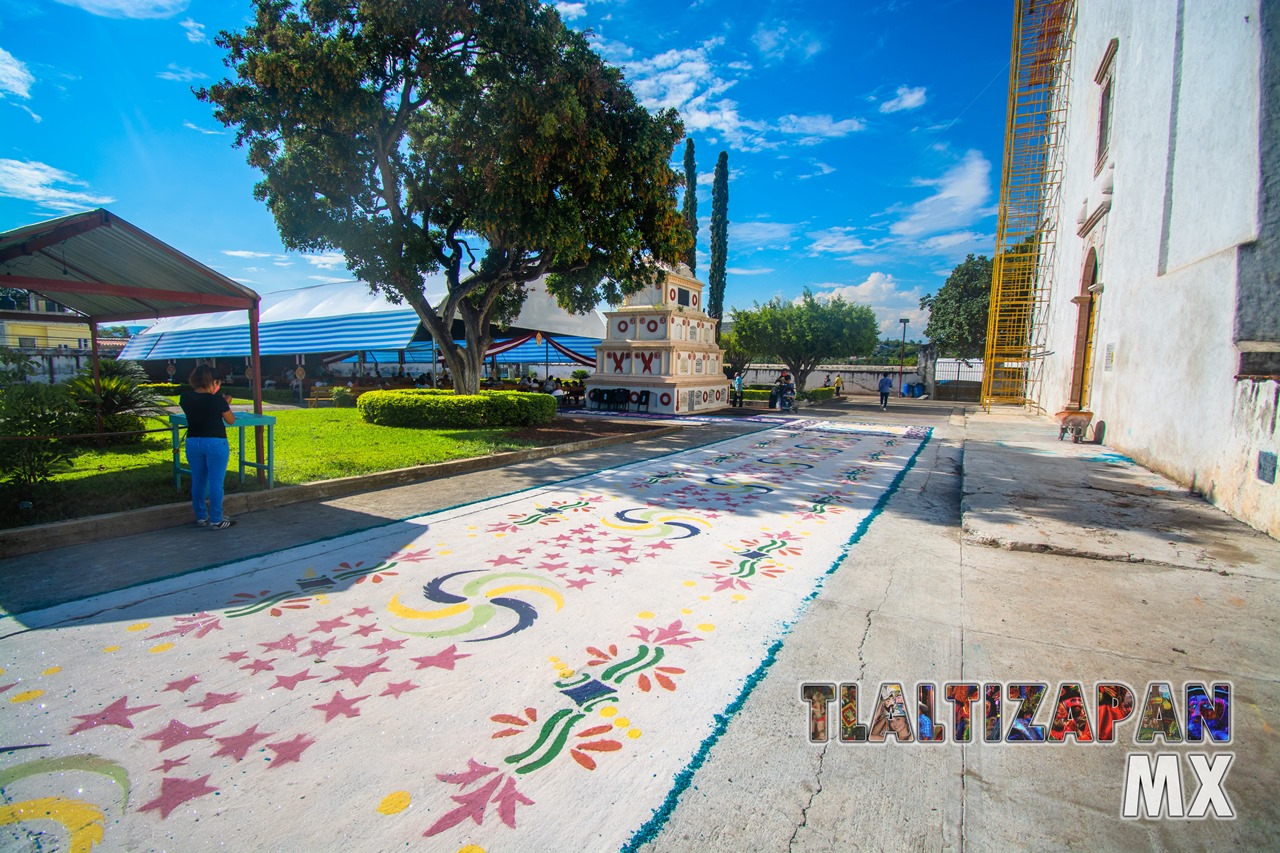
(1026, 234)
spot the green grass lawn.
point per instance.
(311, 444)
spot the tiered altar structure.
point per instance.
(662, 341)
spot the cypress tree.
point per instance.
(690, 208)
(719, 237)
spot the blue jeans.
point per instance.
(207, 458)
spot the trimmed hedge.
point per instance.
(162, 387)
(753, 394)
(431, 407)
(819, 394)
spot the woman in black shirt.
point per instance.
(208, 414)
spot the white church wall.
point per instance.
(1167, 248)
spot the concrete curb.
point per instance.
(58, 534)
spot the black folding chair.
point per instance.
(643, 402)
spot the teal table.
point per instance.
(244, 420)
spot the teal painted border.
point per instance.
(684, 778)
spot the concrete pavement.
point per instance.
(1004, 556)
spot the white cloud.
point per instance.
(330, 279)
(129, 8)
(195, 31)
(15, 79)
(958, 201)
(245, 253)
(834, 241)
(37, 182)
(707, 179)
(328, 261)
(689, 81)
(749, 271)
(887, 298)
(820, 169)
(571, 11)
(180, 74)
(26, 109)
(198, 129)
(745, 236)
(776, 42)
(955, 239)
(816, 128)
(906, 99)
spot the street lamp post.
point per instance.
(902, 354)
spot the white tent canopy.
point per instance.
(332, 318)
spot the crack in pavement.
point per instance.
(804, 812)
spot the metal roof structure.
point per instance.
(330, 318)
(113, 272)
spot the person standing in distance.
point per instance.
(885, 388)
(208, 452)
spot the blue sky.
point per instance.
(864, 138)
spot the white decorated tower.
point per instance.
(662, 341)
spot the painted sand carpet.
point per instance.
(538, 672)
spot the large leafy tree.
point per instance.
(736, 357)
(806, 332)
(719, 236)
(958, 311)
(689, 209)
(481, 139)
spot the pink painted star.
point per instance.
(259, 665)
(182, 685)
(340, 706)
(175, 733)
(385, 645)
(361, 612)
(550, 566)
(366, 630)
(330, 625)
(170, 763)
(115, 714)
(628, 560)
(213, 700)
(580, 583)
(321, 649)
(290, 751)
(503, 560)
(287, 643)
(524, 551)
(585, 569)
(357, 674)
(444, 660)
(614, 572)
(238, 746)
(175, 792)
(662, 545)
(564, 538)
(236, 657)
(578, 531)
(619, 549)
(586, 550)
(396, 688)
(289, 682)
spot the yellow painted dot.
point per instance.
(1, 670)
(737, 596)
(621, 723)
(110, 649)
(471, 848)
(52, 670)
(27, 697)
(608, 711)
(704, 598)
(161, 647)
(566, 673)
(554, 659)
(706, 626)
(633, 734)
(139, 626)
(644, 614)
(394, 803)
(690, 583)
(686, 611)
(447, 553)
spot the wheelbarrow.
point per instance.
(1073, 423)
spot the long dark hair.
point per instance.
(202, 377)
